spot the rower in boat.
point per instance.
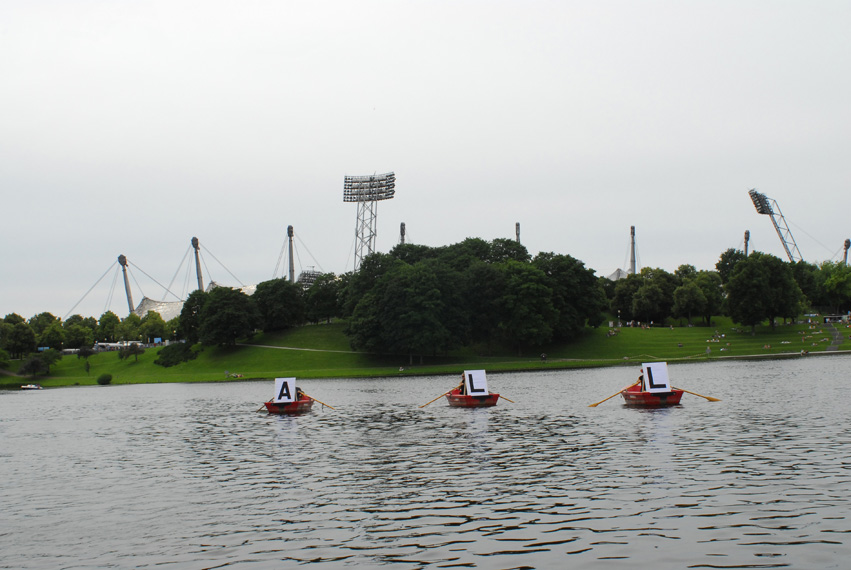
(289, 399)
(653, 389)
(472, 392)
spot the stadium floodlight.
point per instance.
(769, 207)
(369, 188)
(367, 191)
(760, 202)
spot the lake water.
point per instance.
(190, 476)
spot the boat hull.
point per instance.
(458, 400)
(634, 397)
(298, 407)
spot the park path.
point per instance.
(304, 349)
(836, 338)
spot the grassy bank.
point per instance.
(322, 351)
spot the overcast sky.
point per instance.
(130, 127)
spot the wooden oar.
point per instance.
(504, 398)
(613, 395)
(263, 407)
(321, 402)
(710, 398)
(442, 395)
(436, 399)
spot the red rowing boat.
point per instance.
(300, 406)
(633, 396)
(459, 400)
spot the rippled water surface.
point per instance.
(191, 476)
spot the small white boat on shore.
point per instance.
(31, 387)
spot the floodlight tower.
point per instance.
(122, 260)
(402, 233)
(196, 246)
(847, 245)
(517, 232)
(769, 207)
(292, 263)
(631, 270)
(747, 240)
(367, 191)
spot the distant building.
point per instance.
(618, 275)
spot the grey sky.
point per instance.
(130, 127)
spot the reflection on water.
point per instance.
(190, 476)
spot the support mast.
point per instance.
(292, 262)
(631, 250)
(196, 246)
(123, 261)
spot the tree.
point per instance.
(190, 316)
(835, 281)
(171, 328)
(4, 359)
(503, 249)
(321, 299)
(807, 276)
(373, 267)
(412, 253)
(53, 336)
(33, 365)
(130, 327)
(648, 302)
(108, 327)
(689, 299)
(577, 295)
(762, 287)
(411, 312)
(685, 273)
(49, 357)
(41, 321)
(13, 319)
(134, 350)
(526, 311)
(5, 331)
(152, 326)
(666, 282)
(625, 290)
(79, 336)
(227, 315)
(280, 304)
(21, 340)
(85, 351)
(727, 263)
(713, 292)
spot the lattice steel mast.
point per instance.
(367, 191)
(769, 207)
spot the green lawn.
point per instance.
(323, 351)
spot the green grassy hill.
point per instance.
(322, 351)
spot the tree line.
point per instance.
(418, 300)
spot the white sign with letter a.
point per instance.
(656, 377)
(476, 382)
(284, 391)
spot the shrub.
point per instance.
(104, 379)
(174, 354)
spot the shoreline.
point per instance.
(501, 368)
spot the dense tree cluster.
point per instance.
(418, 300)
